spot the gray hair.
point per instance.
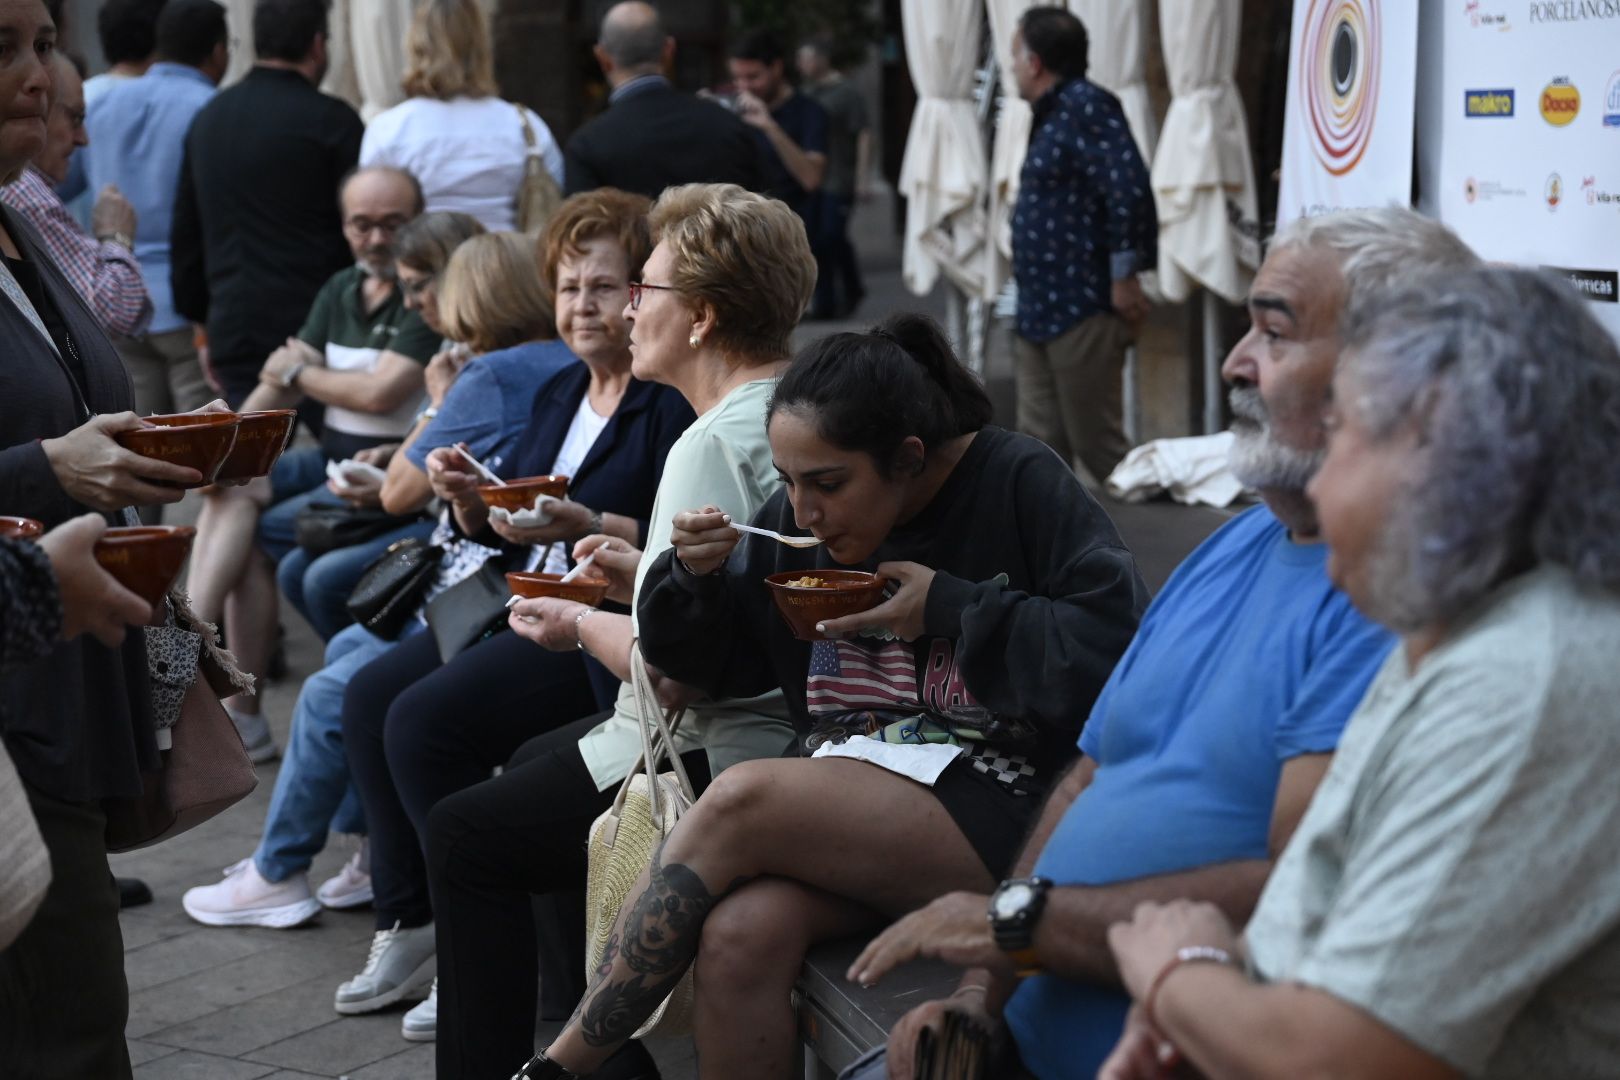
(1516, 389)
(1387, 247)
(632, 35)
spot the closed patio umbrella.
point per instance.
(1013, 120)
(1118, 61)
(943, 173)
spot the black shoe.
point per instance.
(629, 1062)
(132, 892)
(541, 1067)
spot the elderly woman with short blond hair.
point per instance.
(1450, 903)
(454, 132)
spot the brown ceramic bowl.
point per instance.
(20, 528)
(582, 590)
(199, 441)
(260, 439)
(841, 592)
(145, 559)
(517, 495)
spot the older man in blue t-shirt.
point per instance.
(1208, 741)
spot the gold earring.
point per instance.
(695, 340)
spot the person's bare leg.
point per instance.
(226, 527)
(844, 826)
(752, 948)
(250, 624)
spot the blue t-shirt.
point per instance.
(488, 405)
(1249, 657)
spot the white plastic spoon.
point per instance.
(790, 541)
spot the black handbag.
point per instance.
(321, 527)
(469, 611)
(390, 590)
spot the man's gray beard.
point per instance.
(1257, 459)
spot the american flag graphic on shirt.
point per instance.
(847, 676)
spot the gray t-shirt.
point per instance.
(1457, 875)
(846, 119)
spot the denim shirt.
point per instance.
(1085, 215)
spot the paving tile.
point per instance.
(192, 1066)
(288, 1074)
(259, 1022)
(191, 953)
(414, 1064)
(345, 1045)
(142, 1052)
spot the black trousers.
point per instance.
(63, 997)
(490, 848)
(416, 731)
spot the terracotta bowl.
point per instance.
(517, 495)
(260, 439)
(841, 592)
(20, 528)
(199, 441)
(145, 559)
(583, 590)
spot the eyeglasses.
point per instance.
(637, 288)
(417, 287)
(360, 226)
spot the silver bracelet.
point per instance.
(579, 641)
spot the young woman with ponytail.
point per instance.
(1012, 599)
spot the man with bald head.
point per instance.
(103, 271)
(653, 136)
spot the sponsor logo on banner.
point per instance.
(1490, 190)
(1480, 18)
(1488, 102)
(1560, 101)
(1599, 286)
(1556, 11)
(1555, 191)
(1339, 79)
(1611, 102)
(1596, 196)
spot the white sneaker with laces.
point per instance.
(421, 1024)
(401, 965)
(256, 738)
(351, 886)
(244, 898)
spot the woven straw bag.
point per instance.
(625, 838)
(538, 194)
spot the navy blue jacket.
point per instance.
(620, 475)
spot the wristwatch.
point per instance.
(122, 239)
(1015, 907)
(290, 379)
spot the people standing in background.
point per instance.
(137, 139)
(653, 136)
(849, 163)
(102, 271)
(791, 129)
(1083, 228)
(128, 33)
(455, 134)
(257, 229)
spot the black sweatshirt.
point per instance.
(1034, 594)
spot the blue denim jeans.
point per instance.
(319, 585)
(313, 795)
(297, 479)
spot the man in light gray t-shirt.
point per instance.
(1457, 876)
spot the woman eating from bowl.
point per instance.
(719, 297)
(1450, 903)
(1013, 598)
(426, 720)
(490, 300)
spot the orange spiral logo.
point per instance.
(1339, 65)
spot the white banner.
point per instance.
(1352, 94)
(1520, 134)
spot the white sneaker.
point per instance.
(351, 887)
(401, 965)
(244, 898)
(421, 1024)
(256, 738)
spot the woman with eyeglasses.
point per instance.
(425, 720)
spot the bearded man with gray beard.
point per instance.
(1208, 741)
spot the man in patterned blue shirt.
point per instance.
(1082, 230)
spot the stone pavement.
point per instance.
(250, 1004)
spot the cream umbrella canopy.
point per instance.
(1202, 176)
(1013, 121)
(1118, 62)
(943, 172)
